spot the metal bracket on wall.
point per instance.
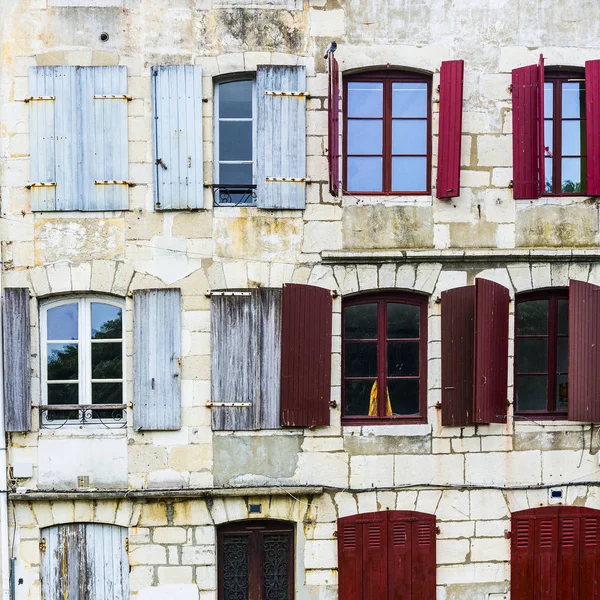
(209, 294)
(229, 404)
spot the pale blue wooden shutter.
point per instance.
(281, 139)
(177, 111)
(156, 359)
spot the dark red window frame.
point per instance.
(558, 76)
(552, 295)
(387, 78)
(254, 530)
(382, 299)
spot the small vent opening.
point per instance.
(83, 482)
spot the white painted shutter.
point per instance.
(156, 359)
(281, 139)
(178, 162)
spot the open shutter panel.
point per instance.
(177, 111)
(526, 123)
(540, 128)
(449, 140)
(423, 557)
(350, 558)
(156, 359)
(592, 113)
(306, 356)
(333, 141)
(281, 144)
(522, 554)
(17, 359)
(584, 352)
(375, 555)
(491, 352)
(458, 336)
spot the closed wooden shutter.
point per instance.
(522, 559)
(156, 359)
(491, 352)
(526, 123)
(546, 535)
(592, 114)
(246, 359)
(568, 556)
(589, 554)
(423, 557)
(17, 359)
(375, 555)
(584, 351)
(178, 162)
(305, 356)
(458, 337)
(333, 134)
(281, 140)
(449, 139)
(350, 558)
(400, 555)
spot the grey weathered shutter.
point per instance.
(156, 359)
(246, 359)
(281, 143)
(17, 359)
(177, 111)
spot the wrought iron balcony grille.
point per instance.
(234, 194)
(111, 416)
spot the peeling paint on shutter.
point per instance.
(281, 143)
(156, 359)
(177, 112)
(333, 114)
(246, 360)
(84, 561)
(592, 95)
(449, 142)
(17, 359)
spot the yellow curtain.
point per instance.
(373, 402)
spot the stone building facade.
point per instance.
(173, 490)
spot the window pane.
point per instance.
(107, 361)
(63, 393)
(548, 140)
(365, 99)
(62, 322)
(107, 322)
(562, 355)
(365, 137)
(548, 174)
(360, 322)
(563, 316)
(403, 359)
(402, 320)
(562, 393)
(532, 355)
(63, 362)
(404, 396)
(364, 174)
(548, 99)
(532, 392)
(409, 99)
(235, 140)
(532, 317)
(572, 175)
(235, 174)
(107, 393)
(357, 396)
(571, 137)
(235, 100)
(409, 137)
(360, 359)
(573, 100)
(409, 174)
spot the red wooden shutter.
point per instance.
(540, 127)
(584, 351)
(350, 558)
(592, 113)
(333, 138)
(522, 554)
(423, 557)
(449, 140)
(589, 554)
(458, 336)
(568, 554)
(526, 123)
(546, 533)
(305, 356)
(491, 352)
(400, 541)
(375, 555)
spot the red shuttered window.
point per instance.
(388, 555)
(333, 137)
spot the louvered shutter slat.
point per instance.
(592, 113)
(333, 143)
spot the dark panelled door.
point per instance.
(555, 554)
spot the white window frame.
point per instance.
(84, 342)
(217, 119)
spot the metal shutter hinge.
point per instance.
(43, 545)
(228, 404)
(209, 294)
(507, 534)
(39, 99)
(112, 97)
(290, 94)
(287, 180)
(41, 184)
(126, 544)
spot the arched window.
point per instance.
(384, 358)
(387, 141)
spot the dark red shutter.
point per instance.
(350, 558)
(567, 571)
(589, 554)
(526, 123)
(584, 351)
(423, 557)
(491, 352)
(400, 543)
(540, 127)
(592, 113)
(546, 533)
(305, 356)
(375, 556)
(458, 336)
(449, 140)
(522, 554)
(333, 138)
